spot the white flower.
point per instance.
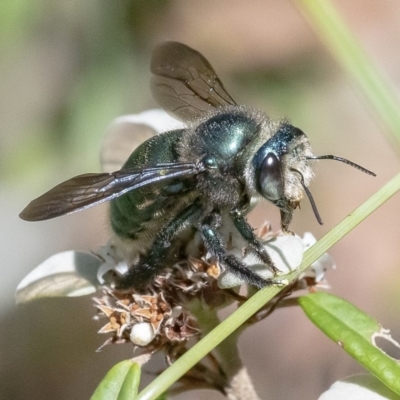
(69, 273)
(286, 252)
(318, 268)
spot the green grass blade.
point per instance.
(375, 86)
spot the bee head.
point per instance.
(282, 170)
(281, 167)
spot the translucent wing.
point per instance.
(184, 83)
(87, 190)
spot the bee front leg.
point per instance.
(213, 243)
(286, 219)
(247, 232)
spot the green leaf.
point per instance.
(355, 332)
(120, 383)
(162, 397)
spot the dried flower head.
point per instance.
(163, 319)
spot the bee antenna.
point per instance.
(310, 197)
(343, 160)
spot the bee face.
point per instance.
(281, 166)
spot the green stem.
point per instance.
(238, 385)
(256, 302)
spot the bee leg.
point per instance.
(139, 276)
(213, 243)
(247, 232)
(286, 218)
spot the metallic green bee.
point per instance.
(202, 180)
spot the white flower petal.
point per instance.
(318, 268)
(359, 387)
(112, 262)
(69, 273)
(308, 240)
(286, 252)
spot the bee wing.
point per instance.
(184, 83)
(87, 190)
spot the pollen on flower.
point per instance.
(214, 270)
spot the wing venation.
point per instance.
(184, 83)
(87, 190)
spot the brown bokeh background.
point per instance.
(68, 68)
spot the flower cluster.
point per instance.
(163, 319)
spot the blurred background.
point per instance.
(68, 68)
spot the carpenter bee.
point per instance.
(196, 180)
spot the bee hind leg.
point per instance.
(158, 257)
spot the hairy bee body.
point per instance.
(199, 181)
(138, 216)
(229, 136)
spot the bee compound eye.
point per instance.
(270, 177)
